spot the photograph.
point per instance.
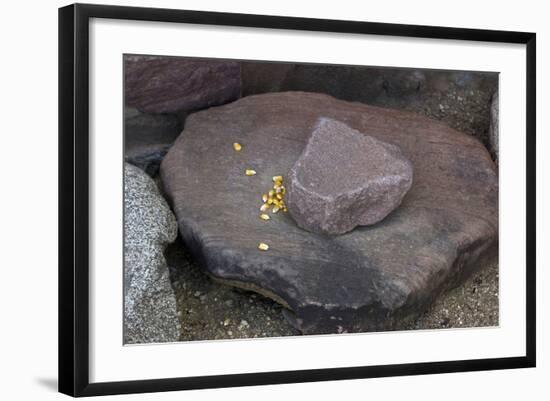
(275, 200)
(270, 199)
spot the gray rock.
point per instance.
(177, 84)
(345, 179)
(373, 278)
(147, 157)
(493, 128)
(147, 138)
(149, 129)
(149, 226)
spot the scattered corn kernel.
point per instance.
(278, 178)
(250, 172)
(279, 196)
(237, 146)
(264, 207)
(264, 216)
(276, 209)
(270, 201)
(263, 247)
(264, 198)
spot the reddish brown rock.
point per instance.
(372, 278)
(179, 85)
(345, 179)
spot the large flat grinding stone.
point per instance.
(372, 278)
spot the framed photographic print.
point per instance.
(249, 199)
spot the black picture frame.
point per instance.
(74, 200)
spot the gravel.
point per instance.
(473, 304)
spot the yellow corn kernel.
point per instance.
(278, 178)
(276, 209)
(263, 246)
(264, 198)
(279, 196)
(264, 216)
(271, 193)
(249, 171)
(237, 146)
(270, 201)
(264, 207)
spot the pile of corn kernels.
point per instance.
(272, 201)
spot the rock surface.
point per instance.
(142, 129)
(147, 157)
(373, 278)
(147, 138)
(175, 84)
(149, 226)
(211, 310)
(461, 99)
(345, 179)
(493, 128)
